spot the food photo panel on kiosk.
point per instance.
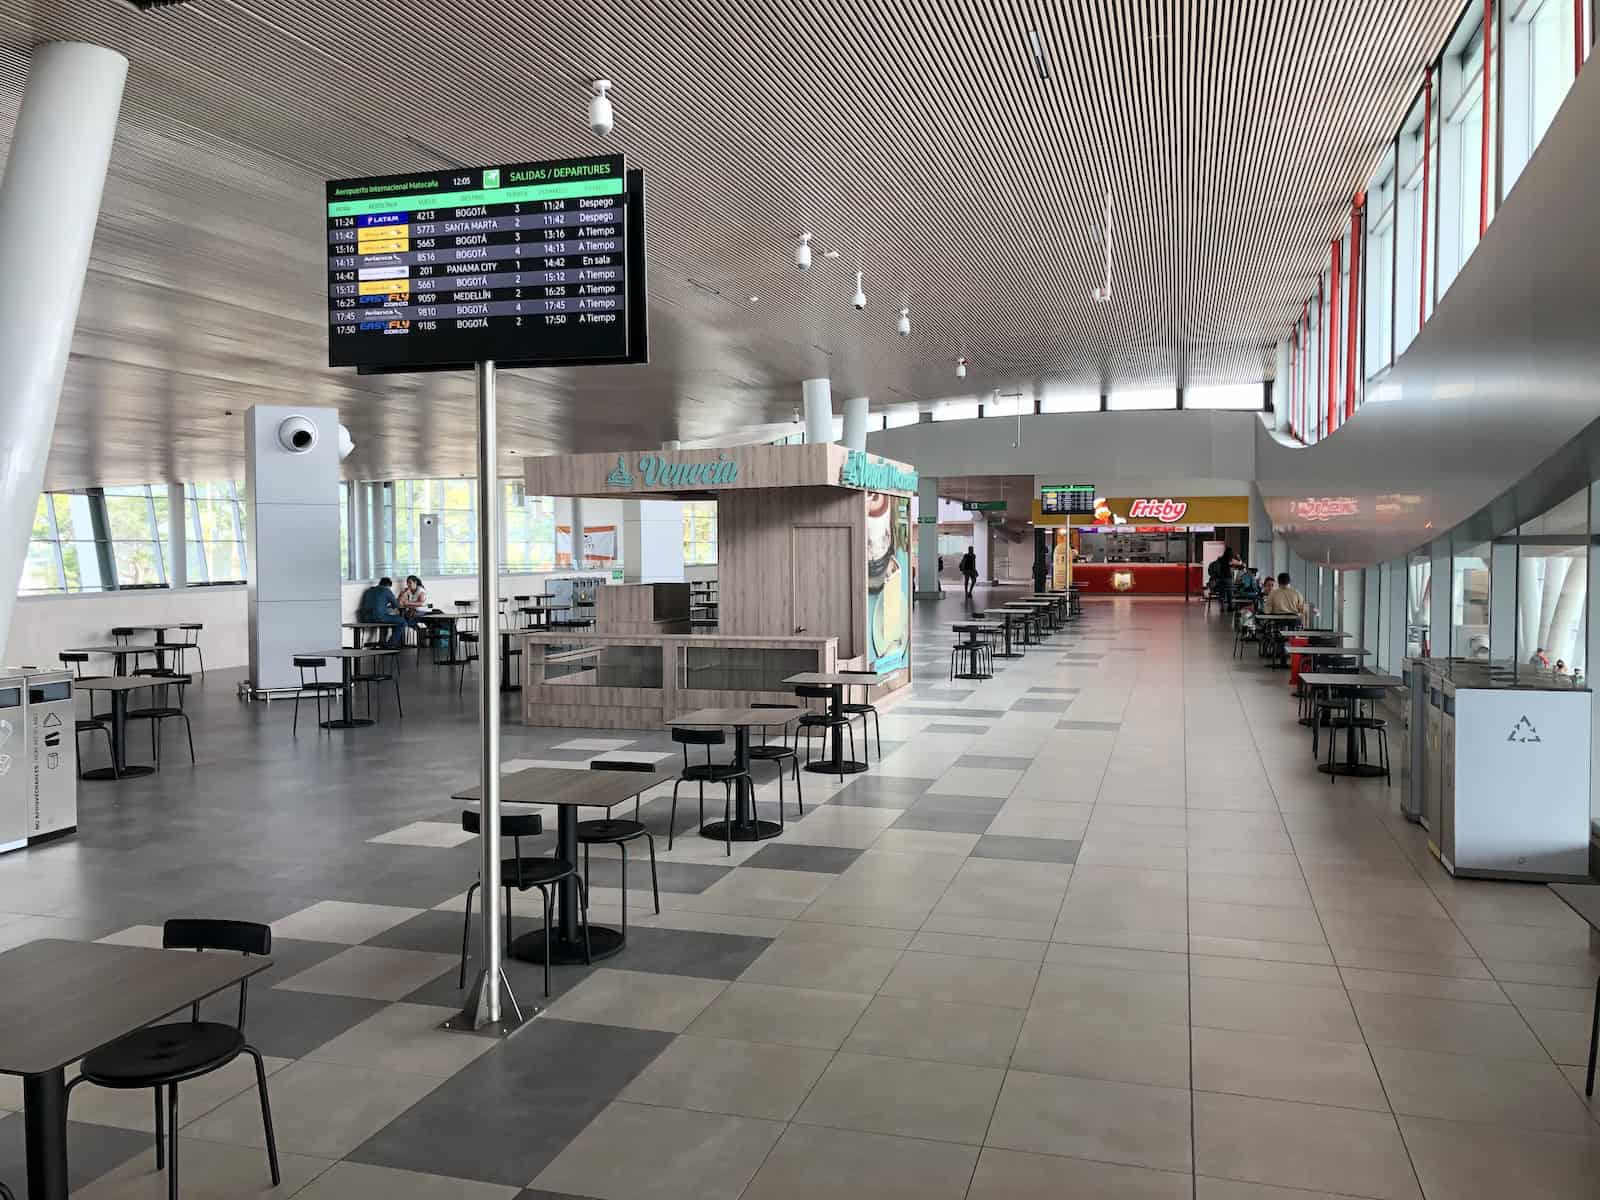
(888, 581)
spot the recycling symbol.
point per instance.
(1523, 731)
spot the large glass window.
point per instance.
(1378, 268)
(1553, 588)
(529, 531)
(905, 414)
(1415, 246)
(1142, 400)
(135, 521)
(1462, 173)
(1538, 64)
(699, 533)
(453, 503)
(1244, 396)
(1469, 600)
(1419, 603)
(215, 532)
(955, 410)
(1062, 400)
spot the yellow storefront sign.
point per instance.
(1156, 509)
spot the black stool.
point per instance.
(976, 651)
(826, 721)
(94, 722)
(703, 773)
(523, 873)
(191, 641)
(163, 1056)
(864, 710)
(388, 672)
(614, 831)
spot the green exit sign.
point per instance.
(984, 505)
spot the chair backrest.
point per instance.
(199, 933)
(68, 656)
(300, 661)
(463, 604)
(512, 825)
(857, 672)
(699, 737)
(620, 764)
(121, 631)
(195, 625)
(811, 691)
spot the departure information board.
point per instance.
(526, 264)
(1066, 498)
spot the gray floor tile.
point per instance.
(1097, 726)
(976, 1034)
(941, 820)
(845, 1164)
(1096, 1119)
(1027, 849)
(794, 1016)
(1012, 1175)
(92, 1150)
(943, 1102)
(1040, 705)
(741, 1078)
(797, 857)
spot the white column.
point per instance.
(577, 535)
(927, 538)
(1503, 601)
(177, 536)
(817, 397)
(49, 201)
(1280, 389)
(855, 422)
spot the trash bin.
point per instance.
(16, 764)
(50, 718)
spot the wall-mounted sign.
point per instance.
(1325, 508)
(655, 471)
(872, 474)
(1066, 498)
(1168, 511)
(983, 505)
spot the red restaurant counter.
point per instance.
(1137, 579)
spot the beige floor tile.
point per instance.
(978, 925)
(634, 1150)
(825, 965)
(926, 841)
(976, 1034)
(339, 921)
(1012, 1175)
(1569, 943)
(1069, 954)
(360, 1181)
(703, 922)
(1310, 1146)
(1234, 1189)
(1407, 962)
(1447, 1026)
(743, 1079)
(1543, 995)
(940, 1101)
(1154, 941)
(318, 1109)
(1253, 1006)
(846, 935)
(373, 972)
(1210, 860)
(809, 1162)
(1098, 1119)
(637, 999)
(1142, 997)
(1481, 1162)
(215, 1171)
(1563, 1034)
(134, 1110)
(975, 946)
(1104, 1047)
(1277, 1067)
(907, 917)
(1438, 987)
(1364, 931)
(759, 1012)
(1207, 919)
(975, 781)
(1265, 970)
(1232, 947)
(1491, 1091)
(1249, 889)
(955, 979)
(403, 1037)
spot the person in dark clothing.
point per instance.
(379, 607)
(969, 569)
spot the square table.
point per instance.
(348, 656)
(567, 790)
(977, 627)
(120, 654)
(745, 826)
(1584, 899)
(1006, 616)
(836, 763)
(63, 999)
(119, 686)
(1335, 680)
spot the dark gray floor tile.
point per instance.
(1053, 691)
(988, 805)
(1027, 849)
(688, 952)
(92, 1150)
(934, 710)
(882, 785)
(795, 857)
(505, 1118)
(1041, 706)
(1103, 726)
(943, 820)
(290, 1024)
(999, 762)
(526, 979)
(957, 729)
(684, 878)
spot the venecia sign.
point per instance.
(655, 471)
(1167, 512)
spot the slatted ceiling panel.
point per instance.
(912, 136)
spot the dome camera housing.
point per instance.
(297, 434)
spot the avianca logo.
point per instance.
(1168, 512)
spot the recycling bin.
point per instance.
(49, 730)
(16, 763)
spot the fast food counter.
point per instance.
(1138, 579)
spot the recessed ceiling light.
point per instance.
(755, 299)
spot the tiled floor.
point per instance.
(1094, 927)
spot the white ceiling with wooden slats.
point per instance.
(914, 138)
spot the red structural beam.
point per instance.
(1427, 162)
(1354, 322)
(1488, 107)
(1331, 337)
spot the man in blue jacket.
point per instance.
(379, 607)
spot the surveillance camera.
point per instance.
(600, 117)
(297, 434)
(904, 325)
(860, 298)
(802, 252)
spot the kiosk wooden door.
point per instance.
(823, 562)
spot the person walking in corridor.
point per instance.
(969, 569)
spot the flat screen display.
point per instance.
(1066, 498)
(525, 264)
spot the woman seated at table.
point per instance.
(413, 597)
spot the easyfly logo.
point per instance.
(1168, 512)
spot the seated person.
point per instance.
(379, 607)
(413, 597)
(1285, 601)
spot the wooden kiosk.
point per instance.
(813, 574)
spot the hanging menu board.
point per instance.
(1066, 498)
(527, 264)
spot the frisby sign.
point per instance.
(1168, 512)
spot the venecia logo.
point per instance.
(1168, 512)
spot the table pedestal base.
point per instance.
(603, 943)
(755, 831)
(1361, 770)
(825, 766)
(108, 773)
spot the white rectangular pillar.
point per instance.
(652, 541)
(928, 538)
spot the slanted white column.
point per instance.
(1280, 389)
(927, 538)
(855, 422)
(817, 397)
(49, 202)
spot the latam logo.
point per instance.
(1168, 512)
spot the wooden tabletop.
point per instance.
(830, 679)
(987, 626)
(142, 648)
(701, 718)
(348, 652)
(572, 788)
(1350, 679)
(1001, 612)
(152, 628)
(1330, 651)
(63, 999)
(1280, 617)
(366, 625)
(1581, 898)
(125, 683)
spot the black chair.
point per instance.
(163, 1056)
(164, 710)
(825, 721)
(703, 773)
(94, 722)
(190, 641)
(314, 685)
(866, 709)
(977, 651)
(776, 752)
(1364, 724)
(385, 668)
(522, 873)
(615, 831)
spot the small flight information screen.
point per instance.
(1066, 498)
(526, 264)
